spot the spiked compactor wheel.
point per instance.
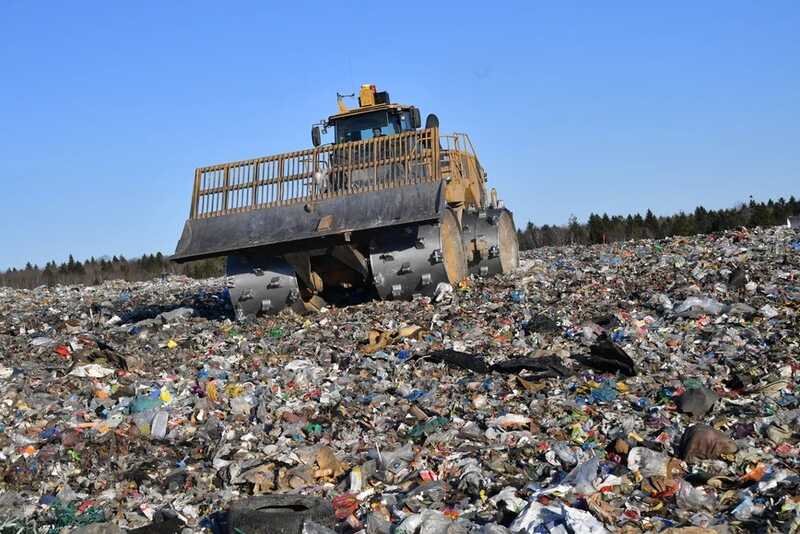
(416, 258)
(490, 240)
(260, 284)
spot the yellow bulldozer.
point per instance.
(389, 207)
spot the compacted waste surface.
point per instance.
(639, 386)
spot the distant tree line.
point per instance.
(604, 229)
(94, 271)
(598, 229)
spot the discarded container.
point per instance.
(158, 428)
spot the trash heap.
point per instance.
(639, 386)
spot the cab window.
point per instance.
(363, 127)
(405, 121)
(370, 125)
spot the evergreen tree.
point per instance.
(575, 230)
(651, 225)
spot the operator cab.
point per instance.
(376, 116)
(356, 126)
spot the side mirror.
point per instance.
(431, 121)
(316, 138)
(416, 122)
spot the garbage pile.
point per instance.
(639, 386)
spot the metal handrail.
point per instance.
(323, 172)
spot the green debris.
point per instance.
(692, 383)
(313, 428)
(429, 427)
(66, 515)
(276, 333)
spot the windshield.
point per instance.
(366, 126)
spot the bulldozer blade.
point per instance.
(228, 234)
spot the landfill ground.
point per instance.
(639, 386)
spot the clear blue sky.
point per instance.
(106, 107)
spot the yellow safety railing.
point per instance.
(327, 171)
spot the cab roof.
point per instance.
(368, 109)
